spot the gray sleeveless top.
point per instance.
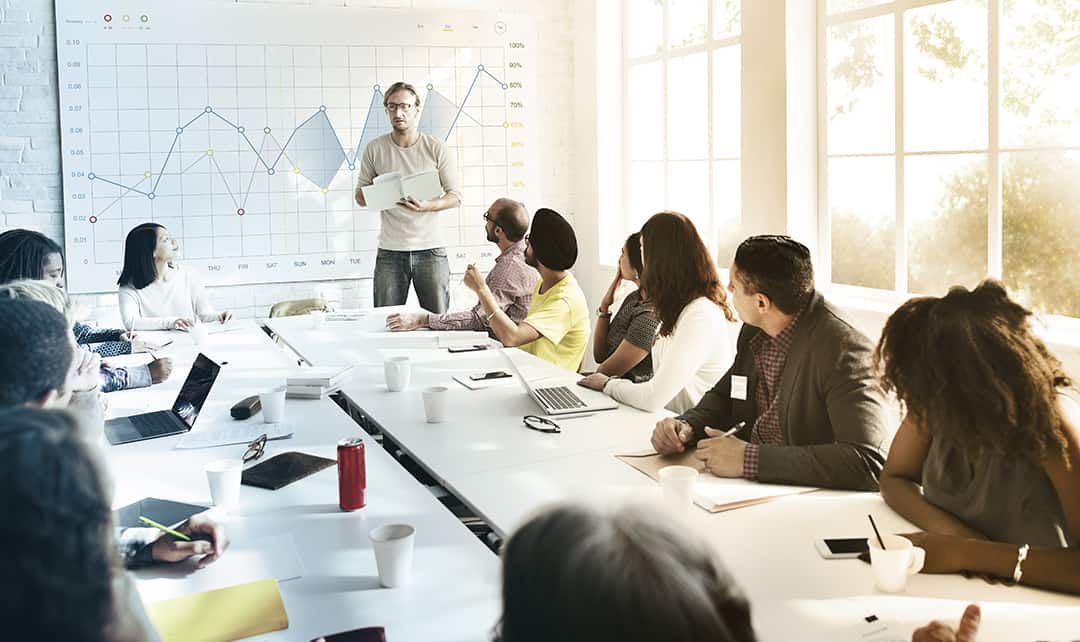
(1006, 498)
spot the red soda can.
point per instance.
(352, 478)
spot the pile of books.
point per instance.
(316, 383)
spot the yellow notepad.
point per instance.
(225, 614)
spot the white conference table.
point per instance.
(507, 473)
(453, 593)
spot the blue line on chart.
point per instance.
(321, 175)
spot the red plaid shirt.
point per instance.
(770, 355)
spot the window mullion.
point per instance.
(994, 214)
(898, 116)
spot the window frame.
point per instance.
(993, 153)
(664, 57)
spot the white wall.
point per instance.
(30, 188)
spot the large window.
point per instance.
(951, 145)
(681, 115)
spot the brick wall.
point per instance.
(30, 188)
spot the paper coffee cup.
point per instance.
(273, 405)
(223, 476)
(393, 546)
(435, 399)
(677, 485)
(199, 333)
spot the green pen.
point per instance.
(163, 528)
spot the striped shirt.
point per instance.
(770, 355)
(511, 281)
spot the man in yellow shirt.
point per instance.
(556, 327)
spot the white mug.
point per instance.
(393, 546)
(397, 371)
(435, 403)
(273, 405)
(893, 564)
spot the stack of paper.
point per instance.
(230, 613)
(316, 383)
(390, 188)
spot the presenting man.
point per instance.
(511, 281)
(802, 382)
(556, 327)
(410, 245)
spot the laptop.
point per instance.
(562, 400)
(179, 419)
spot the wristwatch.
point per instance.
(603, 315)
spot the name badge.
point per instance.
(738, 387)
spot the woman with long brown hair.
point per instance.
(987, 458)
(695, 346)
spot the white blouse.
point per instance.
(686, 364)
(160, 304)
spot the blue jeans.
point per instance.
(429, 271)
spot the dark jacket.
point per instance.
(831, 407)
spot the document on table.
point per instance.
(231, 613)
(272, 557)
(240, 432)
(484, 383)
(714, 494)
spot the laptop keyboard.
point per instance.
(155, 423)
(559, 398)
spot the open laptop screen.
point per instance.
(196, 389)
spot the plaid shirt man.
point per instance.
(770, 355)
(512, 283)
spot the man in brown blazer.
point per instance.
(802, 381)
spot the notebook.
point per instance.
(231, 613)
(281, 470)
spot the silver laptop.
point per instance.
(562, 400)
(179, 419)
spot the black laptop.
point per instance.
(180, 418)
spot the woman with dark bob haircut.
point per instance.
(62, 580)
(987, 458)
(155, 293)
(573, 574)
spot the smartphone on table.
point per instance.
(843, 548)
(494, 374)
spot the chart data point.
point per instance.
(322, 107)
(296, 170)
(266, 130)
(240, 212)
(240, 129)
(93, 219)
(91, 176)
(179, 130)
(209, 109)
(147, 174)
(352, 166)
(479, 67)
(505, 86)
(326, 190)
(151, 196)
(270, 171)
(209, 152)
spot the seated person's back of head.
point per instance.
(37, 353)
(576, 574)
(60, 581)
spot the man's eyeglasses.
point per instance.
(392, 107)
(487, 217)
(255, 449)
(540, 424)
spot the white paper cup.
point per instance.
(397, 371)
(273, 405)
(318, 319)
(393, 546)
(223, 475)
(677, 484)
(893, 565)
(435, 403)
(199, 334)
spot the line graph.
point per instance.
(435, 120)
(247, 143)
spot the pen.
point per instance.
(163, 528)
(734, 429)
